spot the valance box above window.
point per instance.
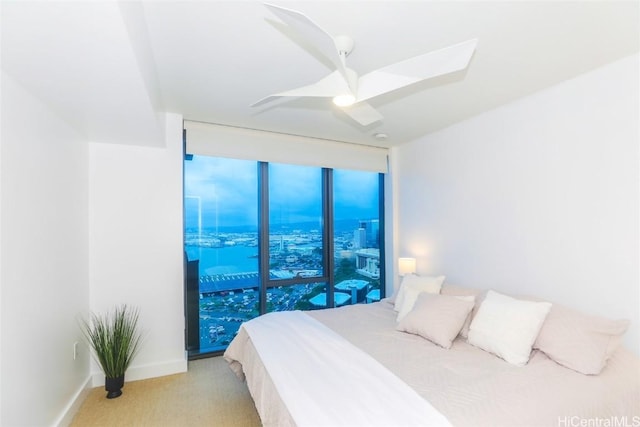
(239, 143)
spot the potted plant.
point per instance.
(115, 340)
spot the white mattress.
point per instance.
(467, 385)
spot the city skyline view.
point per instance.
(221, 238)
(229, 279)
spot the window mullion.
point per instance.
(263, 233)
(327, 233)
(381, 236)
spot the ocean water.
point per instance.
(225, 260)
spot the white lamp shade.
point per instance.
(406, 266)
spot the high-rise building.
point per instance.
(373, 233)
(360, 238)
(371, 230)
(368, 262)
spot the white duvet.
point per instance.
(326, 381)
(470, 387)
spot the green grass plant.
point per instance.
(114, 338)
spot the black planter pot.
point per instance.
(113, 386)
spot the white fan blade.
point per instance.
(404, 73)
(363, 113)
(322, 40)
(330, 86)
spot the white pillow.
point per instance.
(398, 296)
(508, 327)
(411, 287)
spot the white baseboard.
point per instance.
(74, 404)
(143, 372)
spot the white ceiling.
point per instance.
(109, 67)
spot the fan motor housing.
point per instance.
(344, 44)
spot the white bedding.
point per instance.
(326, 381)
(467, 385)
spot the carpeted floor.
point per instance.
(209, 394)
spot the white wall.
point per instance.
(64, 253)
(136, 246)
(44, 257)
(537, 197)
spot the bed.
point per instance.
(463, 385)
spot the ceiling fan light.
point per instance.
(344, 100)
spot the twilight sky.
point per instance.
(227, 192)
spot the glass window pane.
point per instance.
(295, 221)
(223, 287)
(357, 234)
(221, 226)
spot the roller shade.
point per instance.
(250, 144)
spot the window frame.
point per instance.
(265, 282)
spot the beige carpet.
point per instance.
(208, 395)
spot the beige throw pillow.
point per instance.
(580, 341)
(437, 318)
(478, 294)
(412, 286)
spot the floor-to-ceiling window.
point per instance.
(270, 237)
(357, 219)
(295, 225)
(221, 237)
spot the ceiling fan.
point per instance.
(350, 91)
